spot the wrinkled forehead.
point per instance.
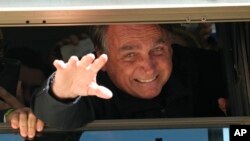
(134, 28)
(125, 33)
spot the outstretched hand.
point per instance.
(78, 77)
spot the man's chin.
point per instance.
(149, 95)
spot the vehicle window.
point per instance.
(207, 60)
(203, 43)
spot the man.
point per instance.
(133, 64)
(139, 74)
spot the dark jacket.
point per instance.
(175, 100)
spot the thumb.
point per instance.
(104, 92)
(99, 91)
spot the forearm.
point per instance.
(56, 113)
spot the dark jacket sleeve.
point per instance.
(64, 115)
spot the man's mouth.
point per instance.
(146, 80)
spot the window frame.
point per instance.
(14, 16)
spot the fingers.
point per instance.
(14, 119)
(103, 92)
(99, 63)
(23, 123)
(32, 121)
(99, 91)
(86, 60)
(83, 80)
(39, 125)
(26, 121)
(72, 62)
(59, 64)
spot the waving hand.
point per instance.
(78, 77)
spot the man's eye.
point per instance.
(129, 56)
(158, 50)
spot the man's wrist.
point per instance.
(51, 82)
(52, 93)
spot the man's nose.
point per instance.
(147, 65)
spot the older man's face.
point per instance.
(140, 59)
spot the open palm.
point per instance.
(78, 77)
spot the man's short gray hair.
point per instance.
(98, 32)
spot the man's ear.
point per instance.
(171, 50)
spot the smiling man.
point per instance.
(146, 53)
(132, 77)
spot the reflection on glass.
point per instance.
(225, 134)
(10, 137)
(190, 134)
(199, 134)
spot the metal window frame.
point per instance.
(183, 13)
(180, 13)
(163, 123)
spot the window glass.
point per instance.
(213, 64)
